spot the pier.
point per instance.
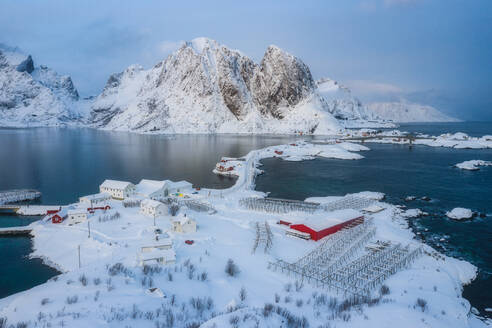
(15, 231)
(29, 209)
(18, 195)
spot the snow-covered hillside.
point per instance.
(342, 103)
(31, 95)
(205, 87)
(404, 112)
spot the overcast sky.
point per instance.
(434, 52)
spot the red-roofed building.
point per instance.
(319, 230)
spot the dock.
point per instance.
(18, 195)
(29, 209)
(15, 231)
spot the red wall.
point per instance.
(317, 235)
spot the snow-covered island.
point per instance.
(166, 254)
(460, 213)
(473, 165)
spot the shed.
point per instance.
(57, 218)
(76, 216)
(184, 224)
(320, 227)
(152, 208)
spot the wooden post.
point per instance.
(79, 256)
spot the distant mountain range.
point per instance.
(203, 87)
(407, 112)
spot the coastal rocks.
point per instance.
(410, 198)
(414, 213)
(473, 165)
(460, 213)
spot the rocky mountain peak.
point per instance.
(26, 65)
(281, 80)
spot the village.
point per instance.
(165, 245)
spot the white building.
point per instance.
(152, 208)
(152, 189)
(184, 224)
(96, 199)
(157, 256)
(161, 244)
(76, 216)
(117, 189)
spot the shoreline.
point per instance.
(245, 184)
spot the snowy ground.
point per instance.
(457, 140)
(102, 292)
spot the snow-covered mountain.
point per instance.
(31, 95)
(349, 110)
(205, 87)
(404, 111)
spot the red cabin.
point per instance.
(316, 233)
(189, 242)
(57, 218)
(230, 168)
(278, 152)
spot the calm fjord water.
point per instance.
(67, 163)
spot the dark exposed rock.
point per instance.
(281, 80)
(27, 65)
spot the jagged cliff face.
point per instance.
(282, 80)
(342, 104)
(205, 87)
(33, 96)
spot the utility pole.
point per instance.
(79, 256)
(89, 227)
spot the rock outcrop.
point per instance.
(33, 96)
(205, 87)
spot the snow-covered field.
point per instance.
(108, 287)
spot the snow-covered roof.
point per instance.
(148, 187)
(115, 184)
(155, 254)
(150, 203)
(158, 243)
(325, 220)
(181, 219)
(101, 195)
